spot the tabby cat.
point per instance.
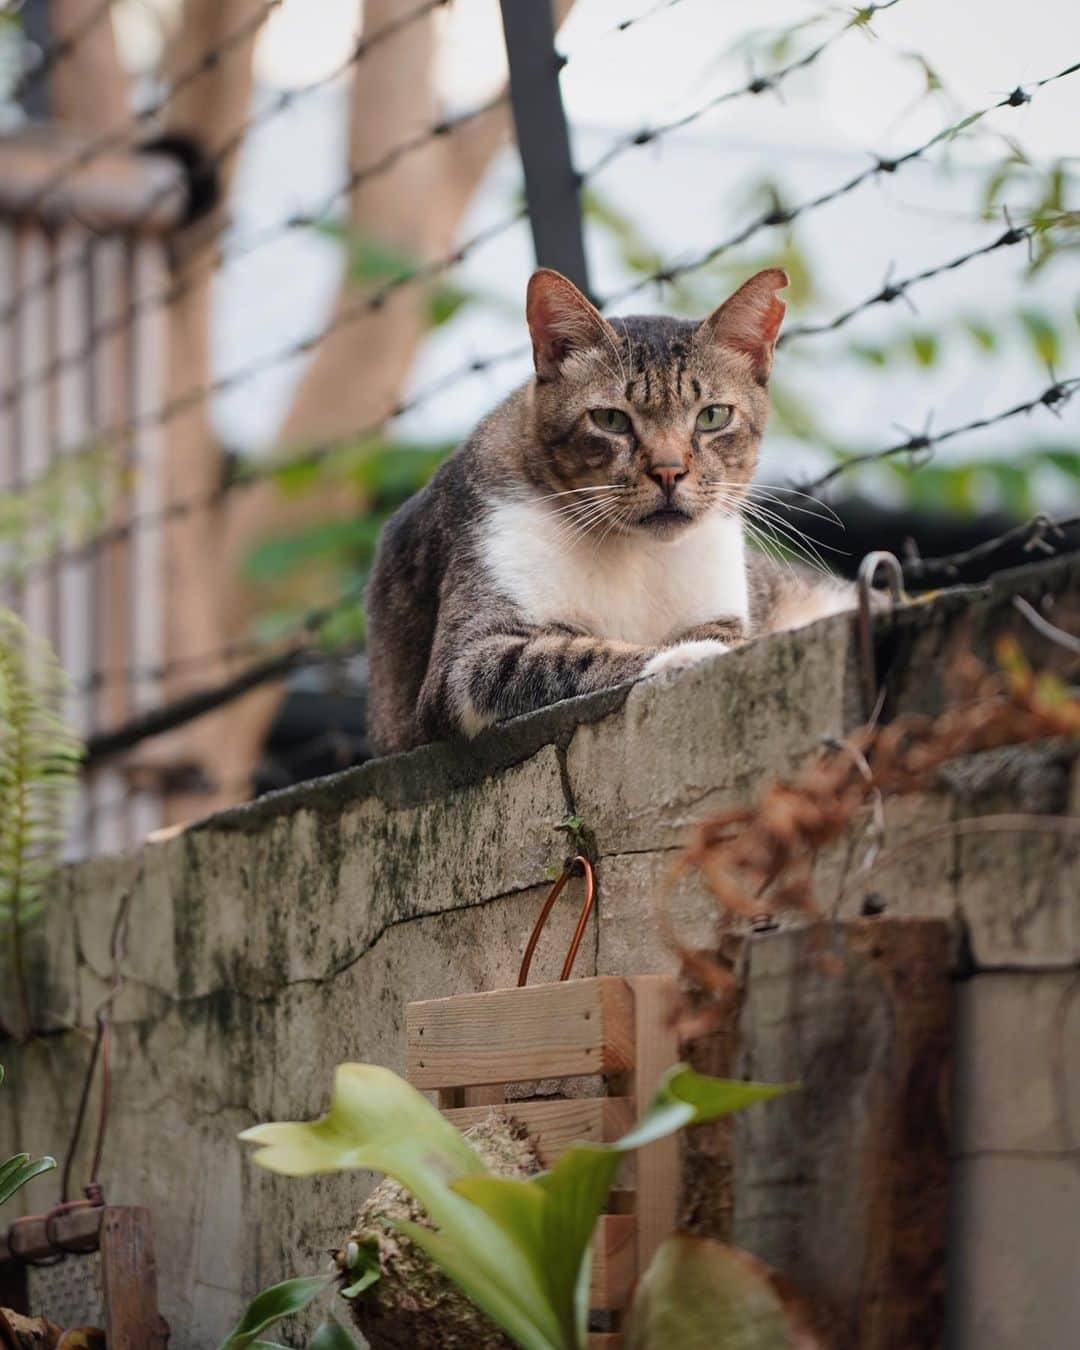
(589, 531)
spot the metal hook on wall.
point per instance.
(580, 862)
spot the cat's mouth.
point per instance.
(665, 520)
(666, 516)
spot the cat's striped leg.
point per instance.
(491, 675)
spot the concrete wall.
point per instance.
(261, 947)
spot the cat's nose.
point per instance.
(667, 475)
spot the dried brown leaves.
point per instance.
(760, 859)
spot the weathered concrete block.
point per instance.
(1013, 1253)
(1018, 1064)
(265, 945)
(696, 740)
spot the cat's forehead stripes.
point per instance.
(657, 352)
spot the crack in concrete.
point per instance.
(251, 997)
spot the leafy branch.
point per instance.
(39, 761)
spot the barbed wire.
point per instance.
(1042, 534)
(213, 162)
(895, 290)
(776, 217)
(311, 456)
(277, 664)
(298, 648)
(1054, 398)
(881, 165)
(618, 29)
(121, 136)
(1037, 533)
(135, 309)
(756, 84)
(771, 219)
(441, 127)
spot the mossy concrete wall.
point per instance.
(259, 948)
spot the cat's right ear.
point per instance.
(561, 321)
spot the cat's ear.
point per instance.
(750, 320)
(561, 321)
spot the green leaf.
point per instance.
(1043, 335)
(445, 301)
(1065, 461)
(686, 1097)
(492, 1296)
(518, 1249)
(699, 1294)
(873, 356)
(331, 1335)
(17, 1171)
(365, 1266)
(377, 1120)
(552, 1217)
(39, 759)
(280, 1300)
(1013, 483)
(335, 540)
(924, 348)
(982, 335)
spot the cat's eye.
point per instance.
(610, 419)
(715, 417)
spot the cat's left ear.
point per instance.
(749, 321)
(561, 321)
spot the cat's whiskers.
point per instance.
(576, 509)
(581, 517)
(797, 540)
(780, 495)
(779, 498)
(616, 518)
(767, 545)
(606, 330)
(608, 515)
(766, 534)
(568, 492)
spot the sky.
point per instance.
(669, 60)
(689, 190)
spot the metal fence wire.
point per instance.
(105, 234)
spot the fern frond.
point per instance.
(39, 764)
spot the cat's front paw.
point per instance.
(683, 654)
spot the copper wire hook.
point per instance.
(564, 876)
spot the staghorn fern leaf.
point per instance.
(39, 761)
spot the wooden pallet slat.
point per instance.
(512, 1035)
(556, 1124)
(614, 1263)
(656, 1049)
(468, 1049)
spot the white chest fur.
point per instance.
(628, 588)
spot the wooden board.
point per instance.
(510, 1035)
(129, 1279)
(77, 1228)
(656, 1049)
(614, 1265)
(555, 1125)
(842, 1186)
